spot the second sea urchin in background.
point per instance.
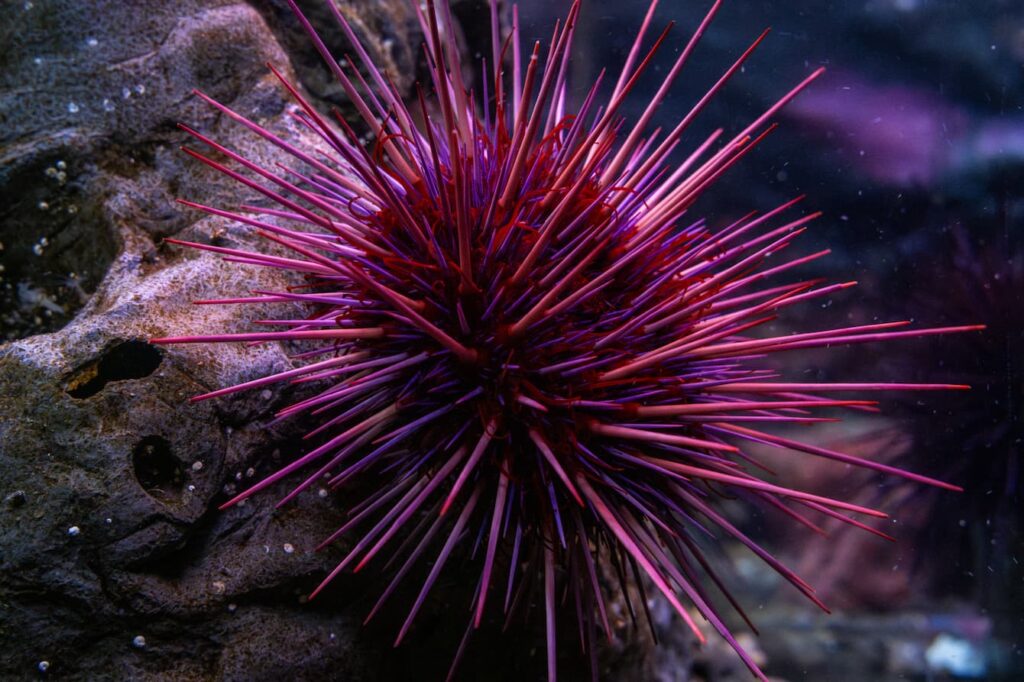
(523, 339)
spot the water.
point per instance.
(912, 144)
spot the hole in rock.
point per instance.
(156, 469)
(126, 360)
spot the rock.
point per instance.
(115, 562)
(388, 30)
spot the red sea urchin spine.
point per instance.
(525, 346)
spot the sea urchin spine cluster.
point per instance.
(521, 336)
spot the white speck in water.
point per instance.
(250, 472)
(72, 108)
(28, 5)
(43, 666)
(322, 492)
(61, 176)
(266, 394)
(37, 249)
(141, 89)
(238, 476)
(74, 530)
(232, 608)
(139, 642)
(963, 523)
(197, 465)
(51, 172)
(191, 488)
(332, 636)
(126, 93)
(108, 520)
(288, 548)
(72, 209)
(108, 105)
(43, 206)
(38, 61)
(92, 42)
(62, 165)
(219, 586)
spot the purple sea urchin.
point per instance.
(522, 338)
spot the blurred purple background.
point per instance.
(912, 144)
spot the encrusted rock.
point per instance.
(110, 534)
(114, 560)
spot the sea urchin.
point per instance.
(520, 335)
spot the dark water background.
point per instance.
(912, 144)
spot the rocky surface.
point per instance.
(114, 561)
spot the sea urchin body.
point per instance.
(523, 339)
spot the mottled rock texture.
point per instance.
(114, 561)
